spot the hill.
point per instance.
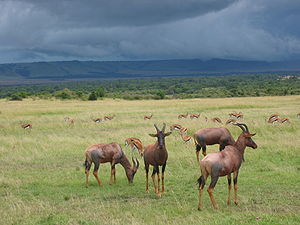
(18, 72)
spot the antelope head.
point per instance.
(247, 135)
(160, 134)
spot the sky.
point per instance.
(62, 30)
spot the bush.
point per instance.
(92, 96)
(16, 97)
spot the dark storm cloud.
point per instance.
(144, 29)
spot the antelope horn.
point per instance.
(244, 125)
(137, 163)
(164, 127)
(156, 128)
(134, 163)
(240, 126)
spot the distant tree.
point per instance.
(160, 94)
(100, 92)
(64, 94)
(92, 96)
(15, 97)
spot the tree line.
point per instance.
(235, 85)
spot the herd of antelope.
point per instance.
(217, 164)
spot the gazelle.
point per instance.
(26, 126)
(109, 117)
(180, 116)
(230, 121)
(175, 127)
(135, 143)
(148, 117)
(97, 120)
(194, 116)
(185, 138)
(216, 119)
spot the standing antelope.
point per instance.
(224, 163)
(148, 117)
(283, 120)
(180, 116)
(211, 136)
(216, 119)
(194, 116)
(108, 152)
(156, 155)
(135, 143)
(273, 120)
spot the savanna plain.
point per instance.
(42, 178)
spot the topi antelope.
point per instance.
(135, 143)
(108, 152)
(211, 136)
(148, 117)
(180, 116)
(156, 155)
(216, 120)
(224, 163)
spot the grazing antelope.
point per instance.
(135, 143)
(216, 119)
(183, 130)
(175, 127)
(180, 116)
(148, 117)
(97, 120)
(230, 121)
(273, 116)
(211, 136)
(26, 126)
(224, 163)
(194, 116)
(108, 152)
(274, 120)
(236, 115)
(156, 155)
(185, 138)
(284, 120)
(109, 117)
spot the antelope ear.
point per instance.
(153, 135)
(168, 133)
(253, 134)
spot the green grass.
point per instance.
(42, 178)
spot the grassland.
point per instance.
(42, 177)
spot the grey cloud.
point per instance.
(117, 30)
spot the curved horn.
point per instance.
(133, 162)
(240, 126)
(244, 125)
(156, 128)
(164, 127)
(137, 163)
